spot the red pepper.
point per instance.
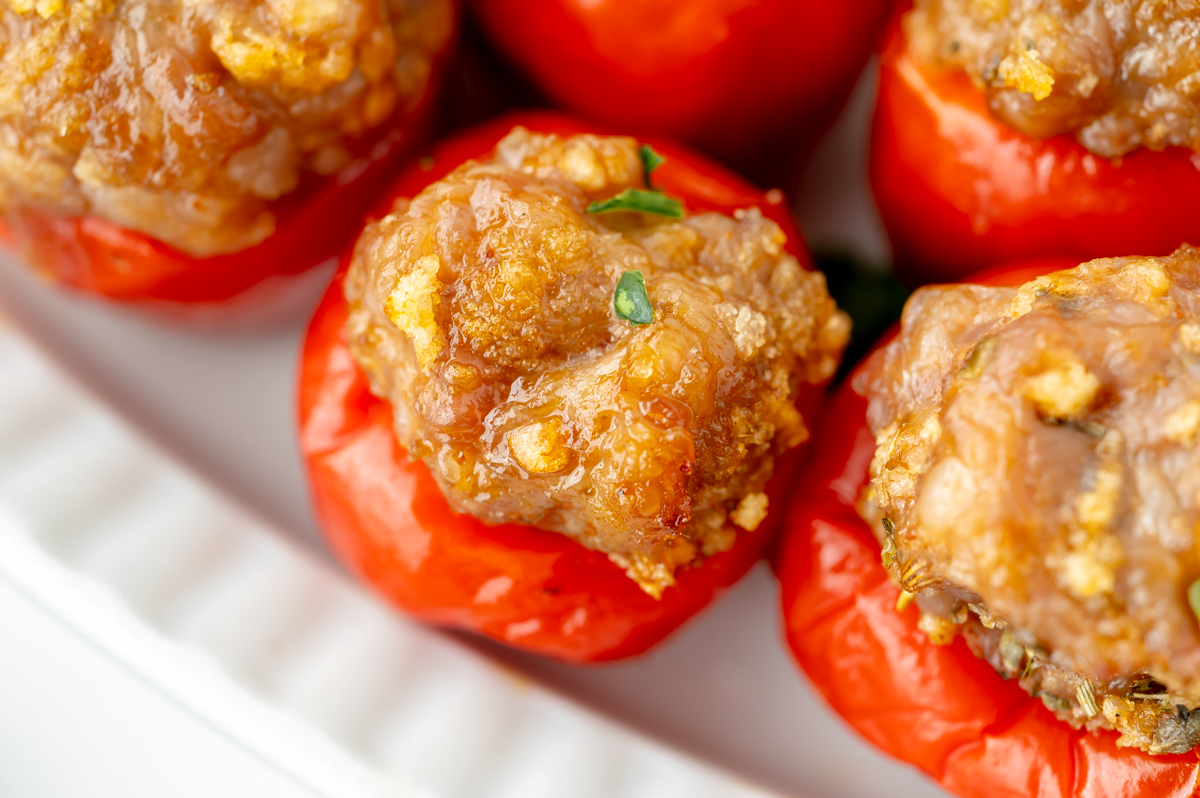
(533, 589)
(313, 224)
(936, 707)
(727, 76)
(959, 190)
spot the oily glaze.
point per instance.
(184, 121)
(483, 311)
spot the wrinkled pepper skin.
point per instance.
(726, 76)
(959, 190)
(385, 516)
(936, 707)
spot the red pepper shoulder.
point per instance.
(385, 515)
(958, 190)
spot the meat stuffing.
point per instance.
(1116, 74)
(483, 310)
(185, 119)
(1036, 485)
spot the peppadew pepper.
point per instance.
(727, 77)
(969, 176)
(543, 404)
(940, 678)
(191, 159)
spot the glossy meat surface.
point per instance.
(1036, 484)
(1116, 74)
(483, 310)
(184, 120)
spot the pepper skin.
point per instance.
(536, 590)
(726, 76)
(959, 190)
(936, 707)
(313, 224)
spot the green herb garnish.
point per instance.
(631, 301)
(633, 199)
(651, 160)
(1194, 598)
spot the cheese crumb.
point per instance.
(1091, 570)
(1065, 389)
(750, 512)
(582, 166)
(939, 630)
(1182, 424)
(1027, 73)
(1189, 336)
(1096, 508)
(412, 307)
(540, 447)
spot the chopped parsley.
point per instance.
(631, 301)
(634, 199)
(651, 160)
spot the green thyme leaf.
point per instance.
(633, 199)
(1194, 598)
(651, 160)
(631, 301)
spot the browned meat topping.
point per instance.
(184, 118)
(483, 310)
(1037, 484)
(1118, 74)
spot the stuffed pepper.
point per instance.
(546, 399)
(155, 149)
(996, 574)
(1030, 128)
(731, 78)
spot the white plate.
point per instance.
(248, 626)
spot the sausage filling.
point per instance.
(183, 120)
(1036, 486)
(1116, 74)
(483, 310)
